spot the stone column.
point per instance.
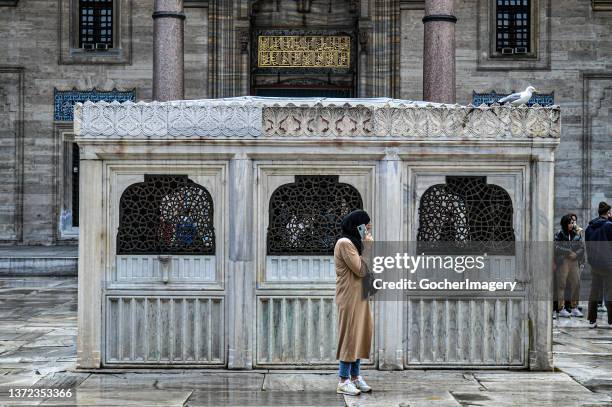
(241, 264)
(540, 255)
(388, 228)
(168, 56)
(244, 62)
(439, 51)
(91, 263)
(363, 64)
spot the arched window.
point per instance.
(166, 214)
(305, 215)
(468, 212)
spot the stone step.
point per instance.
(38, 260)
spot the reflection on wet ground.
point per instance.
(37, 352)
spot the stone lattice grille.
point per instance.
(466, 213)
(305, 215)
(166, 214)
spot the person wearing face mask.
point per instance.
(355, 325)
(569, 253)
(598, 236)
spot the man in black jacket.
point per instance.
(598, 236)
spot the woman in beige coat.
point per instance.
(354, 315)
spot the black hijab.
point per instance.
(349, 227)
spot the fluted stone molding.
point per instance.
(228, 66)
(384, 51)
(439, 51)
(168, 55)
(259, 118)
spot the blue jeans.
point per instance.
(349, 369)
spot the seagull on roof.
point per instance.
(520, 98)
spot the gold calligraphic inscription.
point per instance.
(304, 51)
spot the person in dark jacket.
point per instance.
(598, 236)
(569, 253)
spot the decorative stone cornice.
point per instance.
(273, 118)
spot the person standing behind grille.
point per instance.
(569, 253)
(354, 315)
(598, 236)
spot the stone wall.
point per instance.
(34, 60)
(580, 75)
(33, 37)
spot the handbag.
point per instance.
(367, 284)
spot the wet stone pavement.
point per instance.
(37, 351)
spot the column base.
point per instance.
(239, 359)
(541, 361)
(391, 360)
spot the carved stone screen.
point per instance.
(305, 215)
(466, 214)
(166, 214)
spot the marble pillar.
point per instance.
(540, 255)
(389, 229)
(168, 55)
(241, 264)
(92, 238)
(439, 51)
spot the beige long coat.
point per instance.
(354, 315)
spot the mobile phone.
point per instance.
(362, 231)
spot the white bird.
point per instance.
(520, 98)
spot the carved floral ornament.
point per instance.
(265, 118)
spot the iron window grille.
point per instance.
(96, 24)
(166, 214)
(513, 26)
(305, 216)
(466, 215)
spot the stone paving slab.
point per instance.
(265, 398)
(191, 380)
(124, 398)
(532, 398)
(408, 397)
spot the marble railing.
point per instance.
(278, 118)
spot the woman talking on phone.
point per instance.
(354, 315)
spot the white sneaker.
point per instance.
(564, 314)
(576, 313)
(347, 387)
(601, 308)
(592, 325)
(362, 385)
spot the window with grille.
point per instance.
(466, 215)
(166, 214)
(96, 24)
(513, 30)
(305, 215)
